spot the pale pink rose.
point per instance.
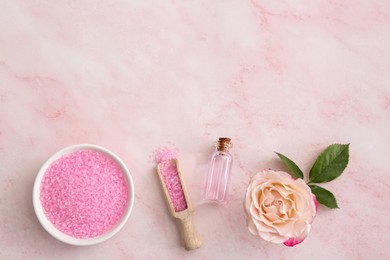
(279, 209)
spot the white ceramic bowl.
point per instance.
(46, 223)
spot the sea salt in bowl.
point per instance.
(83, 194)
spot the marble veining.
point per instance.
(286, 76)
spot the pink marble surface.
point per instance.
(286, 76)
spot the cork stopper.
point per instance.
(223, 144)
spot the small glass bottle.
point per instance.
(218, 177)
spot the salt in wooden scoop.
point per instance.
(178, 200)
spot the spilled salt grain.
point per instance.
(165, 154)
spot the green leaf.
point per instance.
(295, 171)
(324, 196)
(330, 164)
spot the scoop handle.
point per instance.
(189, 234)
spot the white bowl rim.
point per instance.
(49, 227)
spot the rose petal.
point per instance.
(254, 212)
(247, 201)
(285, 176)
(315, 203)
(286, 206)
(293, 241)
(285, 190)
(261, 227)
(261, 176)
(273, 237)
(265, 219)
(301, 229)
(267, 194)
(285, 228)
(252, 227)
(272, 217)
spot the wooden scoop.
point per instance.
(190, 236)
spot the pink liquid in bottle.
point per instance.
(218, 178)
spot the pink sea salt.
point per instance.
(165, 153)
(169, 172)
(84, 194)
